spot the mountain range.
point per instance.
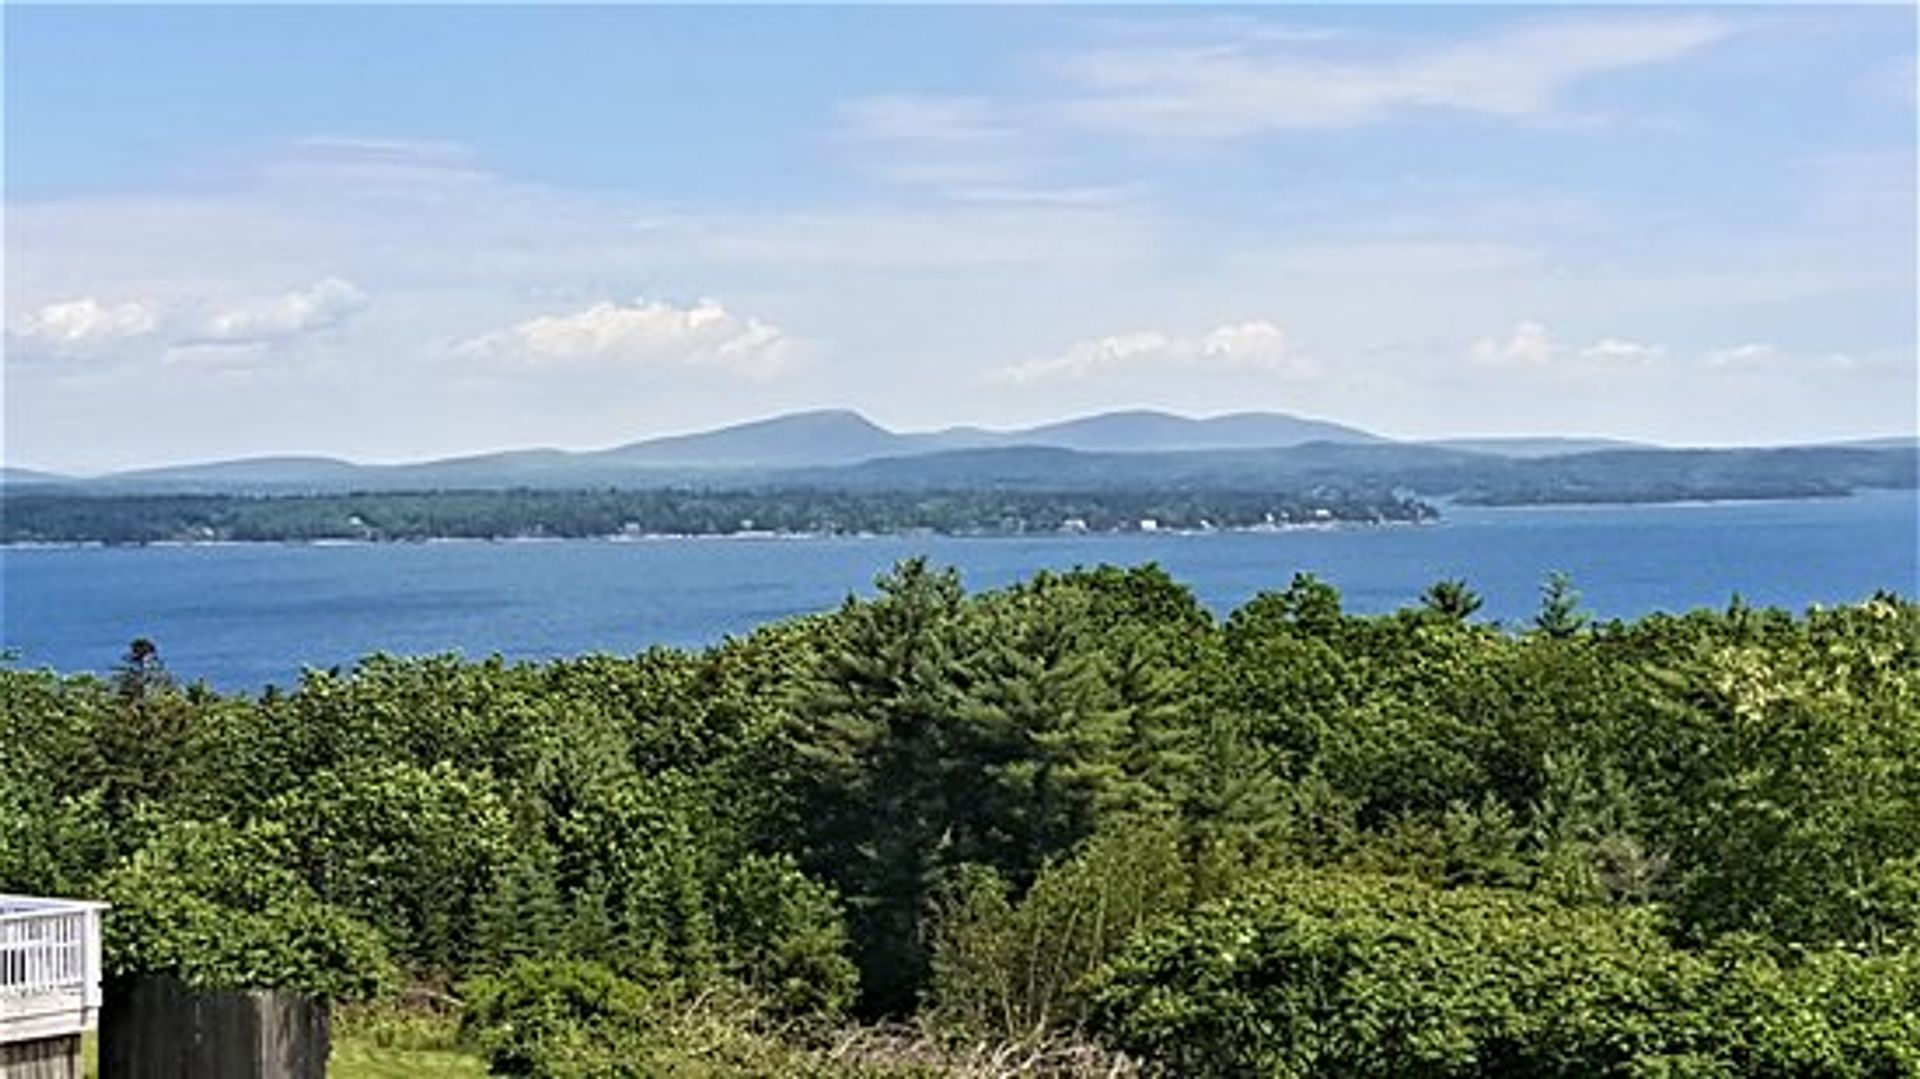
(812, 439)
(841, 448)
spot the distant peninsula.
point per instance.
(610, 514)
(836, 473)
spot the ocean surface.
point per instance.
(243, 616)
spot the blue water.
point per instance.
(244, 616)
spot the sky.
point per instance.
(389, 233)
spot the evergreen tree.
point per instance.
(1560, 614)
(141, 672)
(1042, 716)
(521, 915)
(872, 734)
(1451, 599)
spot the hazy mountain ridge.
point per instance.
(811, 439)
(24, 476)
(1543, 446)
(837, 448)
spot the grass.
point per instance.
(355, 1059)
(397, 1041)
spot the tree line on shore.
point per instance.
(1078, 818)
(568, 514)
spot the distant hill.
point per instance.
(816, 439)
(275, 472)
(24, 476)
(1331, 464)
(824, 437)
(994, 489)
(1890, 442)
(838, 436)
(1158, 432)
(1525, 447)
(837, 448)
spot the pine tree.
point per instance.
(521, 915)
(871, 737)
(1042, 719)
(1560, 614)
(1451, 599)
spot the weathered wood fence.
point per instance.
(43, 1058)
(158, 1028)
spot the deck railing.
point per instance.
(49, 967)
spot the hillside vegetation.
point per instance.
(1073, 827)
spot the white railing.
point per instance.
(49, 967)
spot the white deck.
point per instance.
(49, 967)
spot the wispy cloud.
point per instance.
(373, 162)
(1257, 347)
(641, 334)
(925, 118)
(1249, 85)
(83, 323)
(1622, 353)
(185, 327)
(1528, 345)
(1525, 345)
(322, 305)
(1750, 354)
(963, 149)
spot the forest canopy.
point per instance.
(1080, 811)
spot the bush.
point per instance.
(557, 1018)
(782, 936)
(215, 907)
(574, 1019)
(1014, 970)
(1387, 977)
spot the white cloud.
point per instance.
(966, 149)
(1526, 345)
(389, 149)
(1617, 351)
(374, 165)
(191, 329)
(1055, 197)
(1747, 355)
(322, 305)
(84, 322)
(1529, 345)
(1258, 347)
(214, 354)
(1246, 86)
(924, 118)
(644, 333)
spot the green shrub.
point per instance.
(574, 1019)
(782, 936)
(1014, 970)
(216, 907)
(1378, 976)
(557, 1018)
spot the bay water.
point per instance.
(242, 616)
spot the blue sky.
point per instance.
(387, 233)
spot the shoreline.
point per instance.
(1445, 508)
(740, 537)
